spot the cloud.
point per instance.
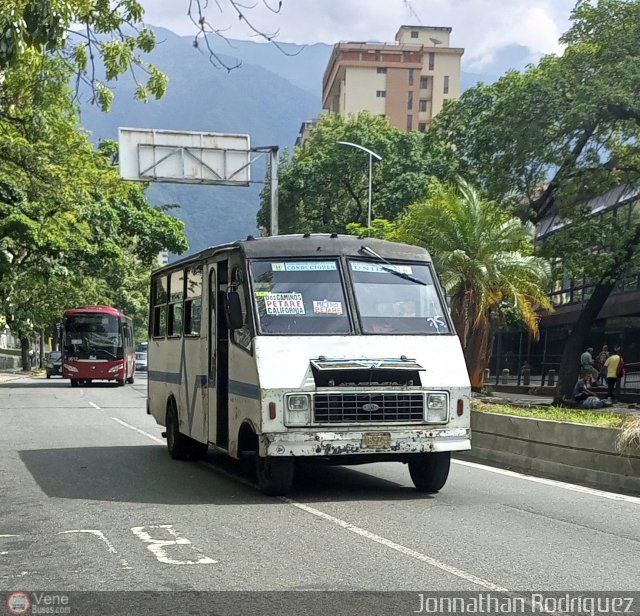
(482, 27)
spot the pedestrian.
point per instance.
(615, 369)
(600, 360)
(586, 363)
(32, 356)
(583, 394)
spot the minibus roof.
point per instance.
(315, 245)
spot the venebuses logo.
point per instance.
(18, 603)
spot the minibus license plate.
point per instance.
(376, 439)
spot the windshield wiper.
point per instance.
(391, 268)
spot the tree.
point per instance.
(81, 32)
(324, 186)
(485, 262)
(563, 131)
(71, 231)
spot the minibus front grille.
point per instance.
(374, 407)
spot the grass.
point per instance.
(16, 352)
(629, 439)
(554, 413)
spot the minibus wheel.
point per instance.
(274, 475)
(429, 471)
(74, 382)
(177, 443)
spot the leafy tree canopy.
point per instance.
(324, 186)
(71, 231)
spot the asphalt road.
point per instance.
(92, 501)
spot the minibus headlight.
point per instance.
(298, 406)
(298, 403)
(437, 410)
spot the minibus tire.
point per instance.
(120, 382)
(178, 444)
(74, 382)
(429, 471)
(274, 475)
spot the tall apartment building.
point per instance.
(407, 81)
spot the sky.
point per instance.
(482, 27)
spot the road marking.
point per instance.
(1, 536)
(469, 577)
(157, 546)
(95, 406)
(151, 436)
(104, 539)
(552, 482)
(373, 537)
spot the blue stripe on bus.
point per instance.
(165, 377)
(246, 390)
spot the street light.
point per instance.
(371, 155)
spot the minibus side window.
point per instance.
(242, 336)
(159, 300)
(176, 295)
(193, 301)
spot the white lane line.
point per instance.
(469, 577)
(151, 436)
(103, 538)
(373, 537)
(95, 406)
(9, 536)
(552, 482)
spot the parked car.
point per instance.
(54, 364)
(141, 361)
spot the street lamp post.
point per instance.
(371, 156)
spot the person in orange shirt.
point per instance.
(615, 367)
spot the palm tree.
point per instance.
(485, 260)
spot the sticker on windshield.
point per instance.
(284, 303)
(76, 341)
(374, 268)
(304, 266)
(327, 307)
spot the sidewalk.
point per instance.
(7, 375)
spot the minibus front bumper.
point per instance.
(392, 440)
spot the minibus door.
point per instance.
(218, 357)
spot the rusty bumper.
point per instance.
(355, 442)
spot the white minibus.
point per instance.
(308, 348)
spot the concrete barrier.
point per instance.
(9, 362)
(565, 451)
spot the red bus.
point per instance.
(97, 344)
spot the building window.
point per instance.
(411, 76)
(424, 83)
(378, 56)
(409, 122)
(446, 84)
(381, 93)
(432, 60)
(422, 127)
(410, 101)
(414, 34)
(423, 105)
(381, 71)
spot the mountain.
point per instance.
(268, 97)
(250, 100)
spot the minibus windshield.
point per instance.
(299, 297)
(392, 304)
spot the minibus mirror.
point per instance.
(234, 316)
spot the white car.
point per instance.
(141, 361)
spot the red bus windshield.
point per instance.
(93, 336)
